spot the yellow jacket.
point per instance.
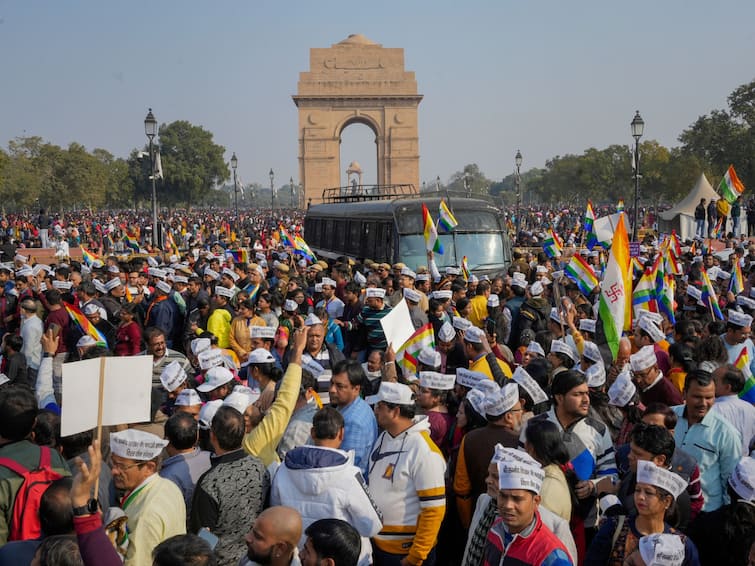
(219, 324)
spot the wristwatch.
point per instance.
(91, 507)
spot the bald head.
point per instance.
(274, 536)
(284, 522)
(624, 351)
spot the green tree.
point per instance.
(191, 161)
(478, 183)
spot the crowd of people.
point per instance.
(285, 429)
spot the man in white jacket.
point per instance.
(322, 482)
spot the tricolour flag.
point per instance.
(432, 242)
(731, 187)
(84, 325)
(709, 297)
(616, 290)
(406, 355)
(643, 295)
(620, 205)
(552, 245)
(465, 268)
(743, 363)
(591, 239)
(581, 272)
(446, 219)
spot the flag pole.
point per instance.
(100, 398)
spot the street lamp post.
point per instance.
(272, 192)
(466, 184)
(638, 126)
(234, 164)
(291, 184)
(150, 128)
(437, 183)
(518, 179)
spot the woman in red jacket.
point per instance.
(128, 336)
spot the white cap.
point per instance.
(136, 444)
(518, 280)
(230, 273)
(587, 325)
(210, 358)
(476, 398)
(746, 302)
(260, 356)
(312, 320)
(591, 351)
(662, 549)
(442, 294)
(221, 291)
(596, 375)
(461, 323)
(100, 286)
(643, 358)
(502, 401)
(435, 380)
(468, 378)
(536, 289)
(214, 378)
(290, 305)
(420, 277)
(110, 285)
(211, 273)
(519, 470)
(739, 319)
(393, 393)
(21, 258)
(429, 357)
(156, 272)
(113, 269)
(199, 345)
(523, 378)
(695, 293)
(474, 335)
(172, 376)
(608, 501)
(649, 473)
(541, 269)
(207, 413)
(655, 333)
(24, 272)
(313, 367)
(239, 401)
(329, 282)
(265, 332)
(453, 270)
(493, 301)
(534, 347)
(446, 332)
(555, 316)
(188, 398)
(405, 271)
(561, 347)
(66, 285)
(412, 295)
(742, 479)
(375, 293)
(622, 390)
(91, 308)
(85, 341)
(359, 278)
(164, 286)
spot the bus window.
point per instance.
(354, 237)
(368, 239)
(483, 251)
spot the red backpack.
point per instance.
(24, 523)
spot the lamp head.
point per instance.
(234, 161)
(638, 126)
(150, 125)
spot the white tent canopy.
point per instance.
(682, 216)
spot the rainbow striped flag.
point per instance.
(131, 242)
(465, 268)
(446, 219)
(552, 245)
(301, 248)
(615, 309)
(743, 363)
(731, 187)
(170, 242)
(88, 257)
(406, 355)
(737, 281)
(285, 237)
(581, 272)
(620, 205)
(709, 296)
(591, 240)
(83, 324)
(239, 256)
(432, 242)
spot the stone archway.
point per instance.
(356, 80)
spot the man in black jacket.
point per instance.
(700, 219)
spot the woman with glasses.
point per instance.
(655, 499)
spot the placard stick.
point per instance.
(100, 397)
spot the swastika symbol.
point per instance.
(614, 292)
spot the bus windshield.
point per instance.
(483, 250)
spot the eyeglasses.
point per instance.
(122, 467)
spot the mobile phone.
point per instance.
(55, 329)
(207, 536)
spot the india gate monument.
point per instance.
(356, 81)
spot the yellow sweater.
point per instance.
(263, 439)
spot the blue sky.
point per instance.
(549, 77)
